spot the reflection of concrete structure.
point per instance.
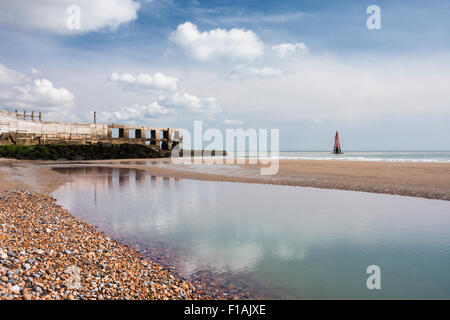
(28, 129)
(108, 178)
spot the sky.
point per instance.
(308, 68)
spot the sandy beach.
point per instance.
(425, 180)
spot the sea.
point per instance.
(387, 156)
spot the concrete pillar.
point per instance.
(40, 116)
(158, 137)
(169, 139)
(32, 115)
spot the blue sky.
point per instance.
(305, 67)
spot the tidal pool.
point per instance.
(270, 241)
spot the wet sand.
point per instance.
(27, 175)
(425, 180)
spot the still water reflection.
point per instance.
(271, 241)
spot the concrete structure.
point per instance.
(27, 129)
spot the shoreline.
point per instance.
(53, 255)
(413, 179)
(422, 180)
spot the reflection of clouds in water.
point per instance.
(287, 252)
(240, 228)
(302, 215)
(241, 257)
(230, 257)
(160, 223)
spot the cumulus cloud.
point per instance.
(165, 108)
(18, 90)
(136, 113)
(285, 49)
(156, 82)
(190, 104)
(231, 122)
(242, 72)
(217, 44)
(42, 91)
(51, 15)
(168, 99)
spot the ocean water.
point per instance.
(394, 156)
(272, 241)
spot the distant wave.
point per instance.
(366, 159)
(376, 156)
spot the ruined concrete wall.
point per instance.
(31, 132)
(163, 138)
(14, 129)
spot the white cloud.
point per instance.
(245, 72)
(190, 104)
(156, 82)
(217, 44)
(9, 77)
(18, 90)
(167, 107)
(169, 101)
(51, 15)
(285, 49)
(233, 122)
(135, 113)
(42, 91)
(332, 89)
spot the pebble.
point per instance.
(38, 290)
(76, 261)
(15, 289)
